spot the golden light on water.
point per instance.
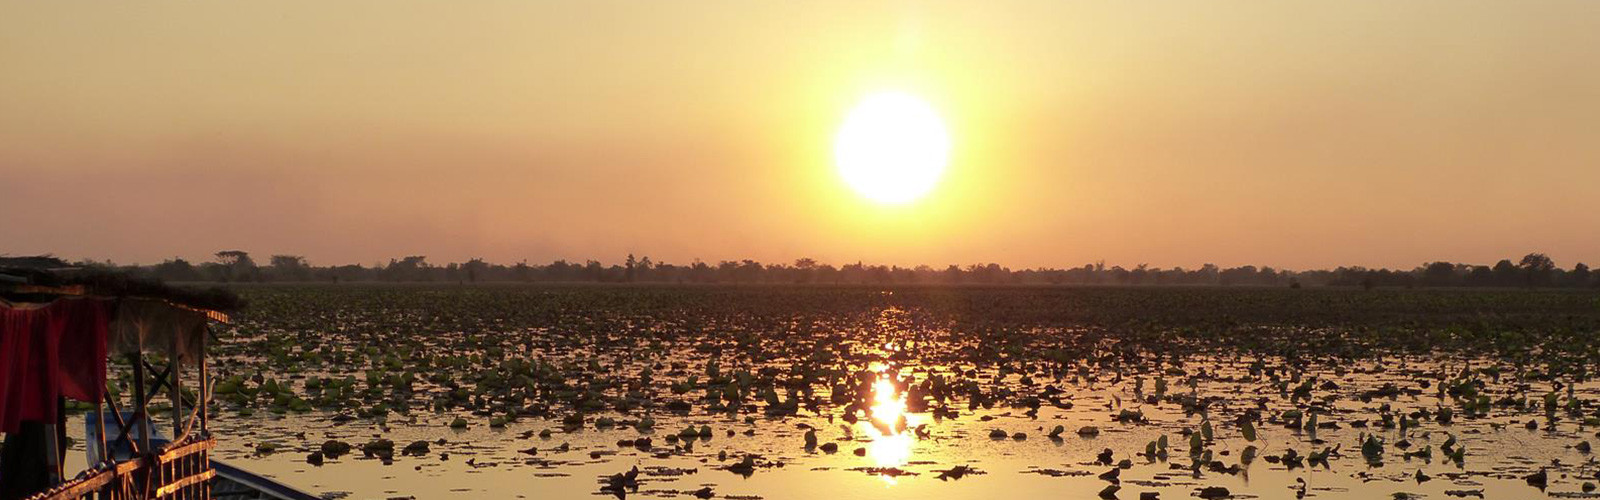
(887, 405)
(893, 446)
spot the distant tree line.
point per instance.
(1534, 270)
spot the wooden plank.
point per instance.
(78, 488)
(83, 291)
(182, 450)
(185, 482)
(84, 486)
(128, 467)
(51, 290)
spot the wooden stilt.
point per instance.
(205, 385)
(100, 428)
(137, 359)
(52, 452)
(176, 389)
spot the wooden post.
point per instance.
(53, 432)
(205, 384)
(52, 459)
(176, 390)
(139, 408)
(100, 425)
(61, 437)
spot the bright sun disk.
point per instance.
(892, 148)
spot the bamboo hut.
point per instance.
(59, 326)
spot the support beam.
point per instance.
(122, 435)
(52, 453)
(160, 382)
(176, 367)
(60, 437)
(205, 386)
(139, 413)
(100, 426)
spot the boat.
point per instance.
(231, 482)
(61, 325)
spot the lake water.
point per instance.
(621, 355)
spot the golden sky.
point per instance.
(1296, 134)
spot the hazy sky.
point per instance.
(1287, 133)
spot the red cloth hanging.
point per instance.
(46, 352)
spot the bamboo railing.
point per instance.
(181, 471)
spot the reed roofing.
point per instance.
(45, 278)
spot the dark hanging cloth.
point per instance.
(23, 471)
(47, 351)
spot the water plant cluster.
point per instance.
(1185, 386)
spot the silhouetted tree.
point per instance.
(805, 270)
(1439, 274)
(237, 264)
(1505, 273)
(176, 269)
(1536, 268)
(1480, 276)
(1579, 275)
(475, 269)
(412, 268)
(644, 268)
(288, 268)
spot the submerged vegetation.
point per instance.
(1188, 389)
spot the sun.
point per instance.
(892, 148)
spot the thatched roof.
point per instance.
(39, 278)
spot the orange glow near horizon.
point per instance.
(1285, 134)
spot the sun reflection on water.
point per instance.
(893, 445)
